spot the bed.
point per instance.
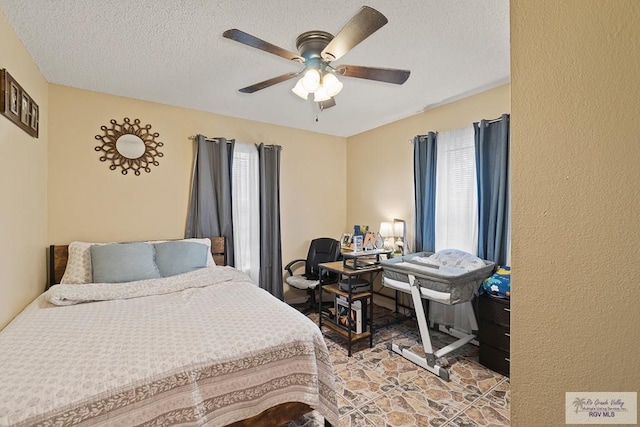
(449, 277)
(203, 347)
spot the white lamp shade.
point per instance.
(332, 85)
(386, 229)
(321, 95)
(299, 90)
(311, 80)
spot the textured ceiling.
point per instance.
(173, 52)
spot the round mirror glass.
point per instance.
(130, 146)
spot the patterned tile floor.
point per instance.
(377, 387)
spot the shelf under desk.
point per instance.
(342, 271)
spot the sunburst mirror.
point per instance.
(129, 146)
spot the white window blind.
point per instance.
(456, 221)
(246, 209)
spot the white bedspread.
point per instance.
(202, 348)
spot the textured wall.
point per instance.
(23, 187)
(90, 202)
(576, 202)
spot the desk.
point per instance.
(349, 274)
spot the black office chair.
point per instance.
(321, 250)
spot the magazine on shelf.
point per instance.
(344, 319)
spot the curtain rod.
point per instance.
(419, 136)
(485, 120)
(494, 120)
(194, 137)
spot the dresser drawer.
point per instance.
(494, 359)
(496, 310)
(494, 335)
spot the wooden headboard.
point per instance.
(58, 255)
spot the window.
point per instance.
(456, 223)
(246, 209)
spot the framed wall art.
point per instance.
(130, 146)
(34, 116)
(15, 94)
(25, 110)
(17, 105)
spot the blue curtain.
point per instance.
(492, 169)
(424, 176)
(210, 203)
(270, 240)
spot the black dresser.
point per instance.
(494, 332)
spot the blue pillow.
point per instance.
(123, 262)
(180, 257)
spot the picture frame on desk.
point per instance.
(357, 243)
(345, 240)
(369, 241)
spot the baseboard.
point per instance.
(326, 297)
(390, 304)
(384, 302)
(297, 300)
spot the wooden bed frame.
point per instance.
(275, 416)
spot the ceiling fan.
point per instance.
(317, 50)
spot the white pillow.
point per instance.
(78, 270)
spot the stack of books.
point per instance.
(351, 320)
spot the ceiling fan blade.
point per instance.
(331, 102)
(387, 75)
(265, 84)
(249, 40)
(366, 22)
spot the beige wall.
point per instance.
(576, 155)
(23, 187)
(380, 161)
(90, 202)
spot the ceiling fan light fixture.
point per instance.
(311, 80)
(299, 90)
(321, 95)
(316, 51)
(331, 84)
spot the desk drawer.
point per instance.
(494, 359)
(494, 335)
(496, 310)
